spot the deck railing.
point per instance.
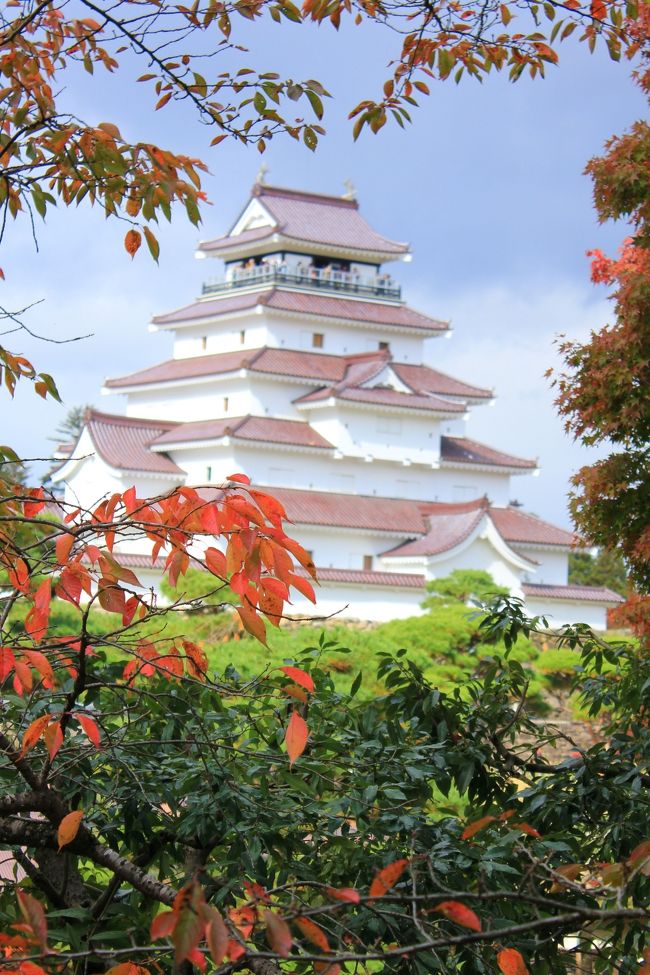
(308, 278)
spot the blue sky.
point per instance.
(486, 185)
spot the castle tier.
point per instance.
(303, 367)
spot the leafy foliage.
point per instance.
(463, 585)
(602, 569)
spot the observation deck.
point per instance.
(306, 278)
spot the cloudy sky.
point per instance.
(486, 185)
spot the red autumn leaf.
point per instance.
(63, 547)
(132, 242)
(344, 894)
(90, 728)
(271, 507)
(299, 677)
(327, 968)
(69, 827)
(216, 562)
(302, 585)
(639, 857)
(41, 664)
(476, 826)
(312, 932)
(197, 958)
(238, 478)
(19, 575)
(511, 962)
(278, 934)
(127, 968)
(301, 554)
(22, 677)
(598, 9)
(387, 878)
(163, 925)
(34, 507)
(37, 619)
(32, 910)
(296, 736)
(459, 914)
(216, 934)
(526, 828)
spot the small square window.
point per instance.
(384, 346)
(317, 340)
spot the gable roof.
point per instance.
(519, 527)
(307, 303)
(383, 396)
(124, 442)
(310, 218)
(447, 530)
(259, 428)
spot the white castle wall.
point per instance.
(559, 612)
(553, 567)
(378, 603)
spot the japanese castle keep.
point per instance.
(303, 367)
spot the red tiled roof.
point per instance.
(307, 303)
(312, 217)
(399, 580)
(360, 577)
(427, 380)
(350, 510)
(519, 527)
(588, 594)
(461, 450)
(447, 530)
(268, 430)
(384, 397)
(123, 442)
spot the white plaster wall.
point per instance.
(94, 480)
(461, 485)
(199, 401)
(342, 549)
(292, 333)
(222, 335)
(377, 603)
(363, 433)
(560, 612)
(197, 460)
(553, 567)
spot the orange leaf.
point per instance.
(312, 932)
(526, 828)
(132, 242)
(270, 507)
(344, 894)
(598, 9)
(69, 827)
(299, 677)
(34, 732)
(511, 962)
(476, 826)
(240, 478)
(278, 934)
(387, 878)
(302, 585)
(296, 736)
(459, 914)
(53, 738)
(252, 622)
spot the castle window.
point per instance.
(225, 404)
(367, 563)
(204, 342)
(317, 340)
(242, 336)
(384, 346)
(208, 473)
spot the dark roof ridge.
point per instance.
(263, 189)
